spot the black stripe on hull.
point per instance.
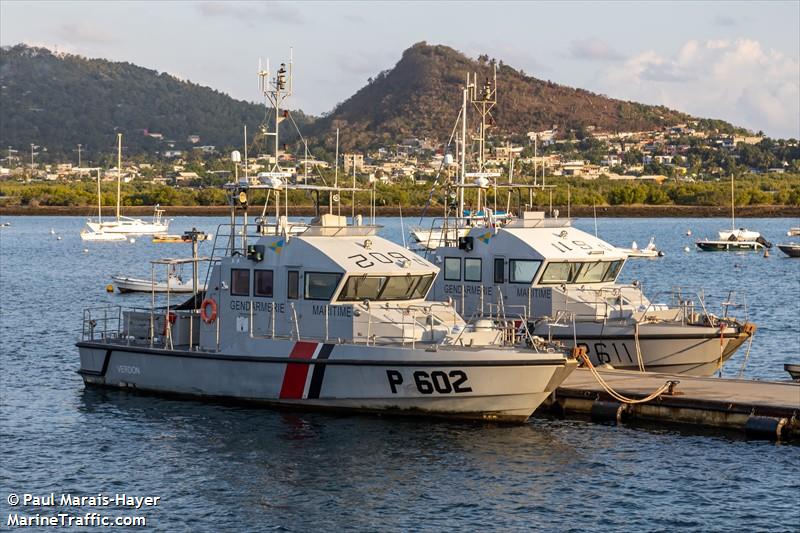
(560, 361)
(318, 373)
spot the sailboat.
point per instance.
(734, 239)
(126, 225)
(100, 235)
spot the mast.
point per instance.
(99, 209)
(733, 204)
(463, 150)
(119, 171)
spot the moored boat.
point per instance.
(334, 317)
(121, 224)
(791, 249)
(174, 284)
(648, 251)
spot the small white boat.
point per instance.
(174, 284)
(5, 224)
(734, 240)
(648, 251)
(88, 235)
(793, 232)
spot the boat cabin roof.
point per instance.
(536, 237)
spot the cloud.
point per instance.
(253, 13)
(593, 49)
(79, 33)
(739, 80)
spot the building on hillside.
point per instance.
(194, 139)
(185, 177)
(353, 159)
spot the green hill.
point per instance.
(421, 97)
(58, 101)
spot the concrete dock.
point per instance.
(760, 409)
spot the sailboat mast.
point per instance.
(99, 209)
(733, 207)
(119, 171)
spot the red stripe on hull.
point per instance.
(294, 379)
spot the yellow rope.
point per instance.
(639, 359)
(581, 354)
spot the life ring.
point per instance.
(208, 318)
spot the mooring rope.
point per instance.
(639, 359)
(746, 355)
(580, 353)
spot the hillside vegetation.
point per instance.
(58, 101)
(421, 97)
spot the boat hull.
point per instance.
(407, 382)
(677, 349)
(730, 246)
(792, 250)
(140, 228)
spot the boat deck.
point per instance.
(762, 409)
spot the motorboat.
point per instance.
(333, 318)
(734, 239)
(126, 225)
(733, 245)
(791, 249)
(793, 232)
(163, 238)
(174, 284)
(793, 370)
(648, 251)
(101, 236)
(564, 282)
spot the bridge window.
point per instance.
(262, 283)
(588, 272)
(472, 269)
(385, 288)
(321, 285)
(452, 268)
(560, 273)
(240, 282)
(293, 285)
(522, 270)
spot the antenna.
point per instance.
(484, 102)
(275, 91)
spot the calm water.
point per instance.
(222, 468)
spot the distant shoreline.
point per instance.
(621, 211)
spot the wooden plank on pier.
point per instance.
(775, 394)
(771, 408)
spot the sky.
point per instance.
(736, 61)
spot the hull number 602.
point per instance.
(438, 381)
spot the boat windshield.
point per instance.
(385, 288)
(588, 272)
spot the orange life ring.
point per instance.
(208, 318)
